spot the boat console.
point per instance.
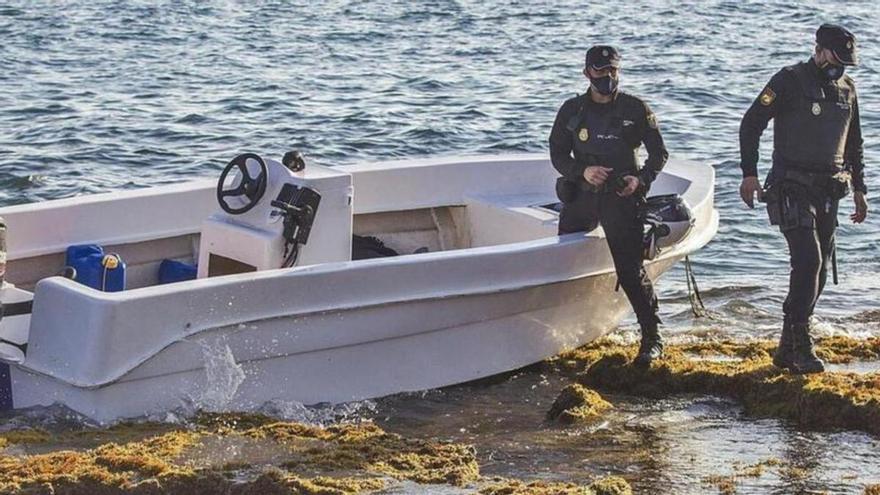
(274, 215)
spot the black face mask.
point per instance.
(604, 85)
(833, 72)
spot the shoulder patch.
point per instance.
(652, 120)
(768, 96)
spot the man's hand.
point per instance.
(632, 183)
(596, 175)
(750, 187)
(861, 207)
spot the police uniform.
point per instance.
(817, 151)
(587, 133)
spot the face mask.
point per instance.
(833, 72)
(604, 85)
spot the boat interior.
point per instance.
(407, 232)
(477, 213)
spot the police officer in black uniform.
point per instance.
(594, 145)
(817, 156)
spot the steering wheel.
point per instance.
(252, 188)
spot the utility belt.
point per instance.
(835, 184)
(821, 178)
(795, 197)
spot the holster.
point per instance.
(795, 210)
(566, 190)
(771, 198)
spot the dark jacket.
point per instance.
(587, 133)
(817, 127)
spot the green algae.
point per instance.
(366, 447)
(820, 401)
(726, 485)
(335, 460)
(110, 467)
(577, 404)
(612, 485)
(26, 436)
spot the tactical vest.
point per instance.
(810, 131)
(607, 137)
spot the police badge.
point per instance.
(767, 97)
(817, 109)
(584, 134)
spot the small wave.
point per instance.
(870, 316)
(722, 292)
(192, 118)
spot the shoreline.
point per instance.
(241, 452)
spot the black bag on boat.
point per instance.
(367, 247)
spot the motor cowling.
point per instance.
(667, 220)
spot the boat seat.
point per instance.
(513, 218)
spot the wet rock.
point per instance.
(577, 404)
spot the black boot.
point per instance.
(804, 360)
(784, 355)
(651, 347)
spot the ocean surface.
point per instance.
(106, 95)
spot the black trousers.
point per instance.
(810, 246)
(623, 230)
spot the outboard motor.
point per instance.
(667, 220)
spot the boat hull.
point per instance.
(448, 340)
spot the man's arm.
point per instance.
(561, 144)
(854, 155)
(657, 153)
(765, 107)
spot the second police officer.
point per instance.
(817, 153)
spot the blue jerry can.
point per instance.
(100, 271)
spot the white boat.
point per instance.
(496, 290)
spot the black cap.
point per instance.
(601, 56)
(840, 41)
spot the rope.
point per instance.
(697, 306)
